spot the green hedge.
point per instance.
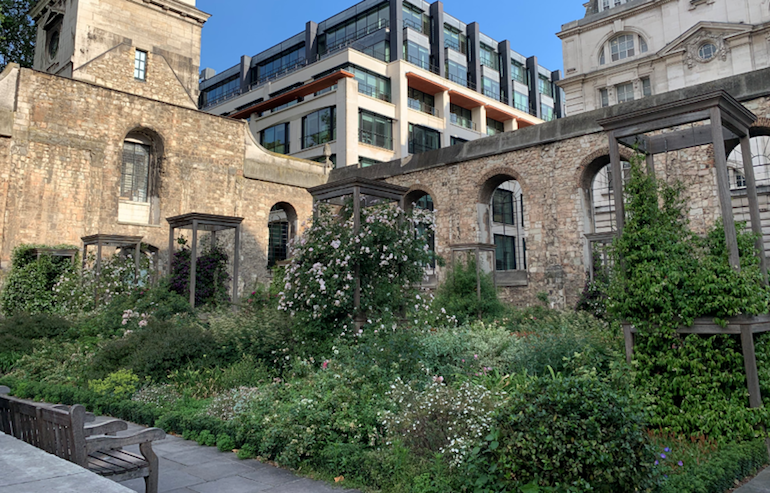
(728, 464)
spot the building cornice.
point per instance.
(173, 7)
(609, 19)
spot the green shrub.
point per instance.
(206, 438)
(571, 432)
(457, 295)
(728, 465)
(256, 333)
(117, 385)
(29, 286)
(225, 443)
(18, 331)
(158, 349)
(54, 361)
(211, 277)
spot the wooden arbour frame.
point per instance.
(212, 223)
(361, 190)
(728, 121)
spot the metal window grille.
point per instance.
(136, 172)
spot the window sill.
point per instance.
(126, 223)
(511, 278)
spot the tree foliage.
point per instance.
(17, 33)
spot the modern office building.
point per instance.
(381, 80)
(628, 49)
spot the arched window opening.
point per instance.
(760, 158)
(621, 47)
(507, 208)
(281, 227)
(603, 198)
(601, 211)
(419, 199)
(140, 178)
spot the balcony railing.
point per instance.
(353, 37)
(421, 106)
(521, 107)
(463, 82)
(317, 138)
(223, 97)
(373, 92)
(417, 147)
(375, 139)
(422, 63)
(412, 24)
(461, 121)
(263, 78)
(450, 43)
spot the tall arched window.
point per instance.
(760, 158)
(600, 211)
(507, 208)
(621, 47)
(281, 227)
(140, 178)
(422, 200)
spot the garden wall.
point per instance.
(60, 168)
(554, 163)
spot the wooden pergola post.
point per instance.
(728, 119)
(358, 189)
(205, 222)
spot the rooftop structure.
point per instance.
(624, 50)
(382, 80)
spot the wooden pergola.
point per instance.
(70, 253)
(477, 249)
(728, 121)
(363, 191)
(118, 241)
(212, 223)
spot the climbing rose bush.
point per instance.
(390, 250)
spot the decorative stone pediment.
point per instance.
(705, 42)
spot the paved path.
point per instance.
(186, 467)
(760, 484)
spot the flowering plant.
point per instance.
(389, 250)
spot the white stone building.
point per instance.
(627, 49)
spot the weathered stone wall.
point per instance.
(115, 69)
(553, 172)
(98, 38)
(63, 163)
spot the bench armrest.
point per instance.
(89, 417)
(4, 390)
(107, 428)
(111, 443)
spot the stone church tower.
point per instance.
(150, 48)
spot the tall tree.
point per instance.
(17, 33)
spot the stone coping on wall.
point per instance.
(742, 87)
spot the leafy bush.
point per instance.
(117, 385)
(18, 331)
(76, 292)
(158, 349)
(729, 464)
(257, 333)
(390, 257)
(158, 395)
(211, 277)
(29, 286)
(440, 419)
(575, 432)
(458, 294)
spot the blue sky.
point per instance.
(247, 27)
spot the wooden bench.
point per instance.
(62, 431)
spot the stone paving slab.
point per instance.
(186, 467)
(760, 484)
(25, 468)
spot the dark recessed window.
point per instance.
(276, 138)
(319, 127)
(502, 207)
(423, 139)
(707, 51)
(494, 127)
(374, 129)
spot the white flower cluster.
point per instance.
(441, 418)
(232, 403)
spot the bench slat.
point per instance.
(116, 461)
